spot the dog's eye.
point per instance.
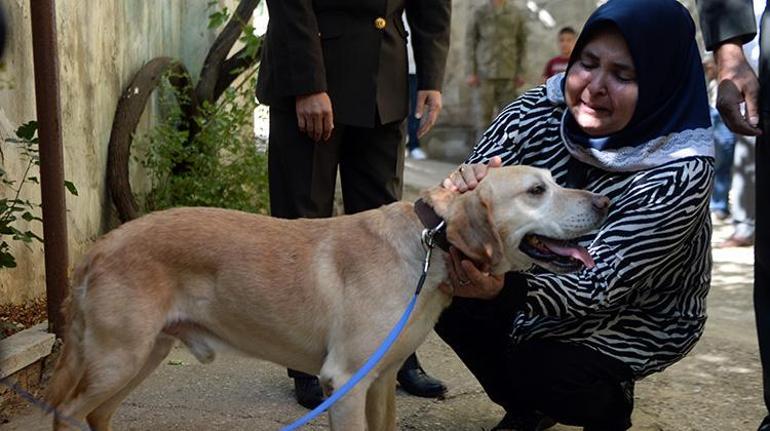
(537, 189)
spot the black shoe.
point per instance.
(765, 425)
(308, 392)
(415, 381)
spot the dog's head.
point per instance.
(518, 216)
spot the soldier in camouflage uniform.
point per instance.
(495, 41)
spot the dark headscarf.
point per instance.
(672, 92)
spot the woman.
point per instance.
(629, 120)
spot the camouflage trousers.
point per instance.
(491, 96)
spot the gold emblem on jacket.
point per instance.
(380, 23)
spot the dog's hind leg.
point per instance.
(114, 352)
(381, 402)
(100, 418)
(107, 372)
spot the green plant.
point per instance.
(14, 208)
(216, 162)
(220, 165)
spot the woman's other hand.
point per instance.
(467, 177)
(469, 281)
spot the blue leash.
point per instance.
(427, 239)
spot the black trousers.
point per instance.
(570, 383)
(302, 174)
(762, 232)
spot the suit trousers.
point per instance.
(303, 173)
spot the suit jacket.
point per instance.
(721, 20)
(337, 47)
(725, 19)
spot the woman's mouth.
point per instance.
(593, 109)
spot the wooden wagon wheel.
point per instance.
(127, 115)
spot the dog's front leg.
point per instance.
(348, 414)
(381, 402)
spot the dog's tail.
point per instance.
(70, 365)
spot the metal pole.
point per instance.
(46, 62)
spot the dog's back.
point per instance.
(211, 276)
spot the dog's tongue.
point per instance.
(574, 251)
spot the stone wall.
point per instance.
(101, 45)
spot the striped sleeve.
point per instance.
(647, 238)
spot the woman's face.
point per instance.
(601, 88)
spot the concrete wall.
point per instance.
(101, 45)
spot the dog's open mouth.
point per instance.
(566, 256)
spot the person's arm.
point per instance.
(547, 71)
(722, 20)
(726, 26)
(471, 41)
(429, 21)
(300, 61)
(521, 51)
(301, 65)
(636, 248)
(738, 83)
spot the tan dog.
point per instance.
(313, 295)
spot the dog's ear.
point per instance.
(439, 199)
(471, 229)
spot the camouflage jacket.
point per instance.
(495, 41)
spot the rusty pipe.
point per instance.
(46, 66)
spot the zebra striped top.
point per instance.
(645, 301)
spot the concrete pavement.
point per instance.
(715, 388)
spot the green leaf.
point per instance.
(216, 19)
(7, 260)
(71, 187)
(27, 130)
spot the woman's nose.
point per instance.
(597, 85)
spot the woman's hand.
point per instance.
(467, 177)
(468, 281)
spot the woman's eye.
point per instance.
(623, 78)
(587, 65)
(538, 189)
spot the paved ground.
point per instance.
(716, 387)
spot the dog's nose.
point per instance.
(601, 202)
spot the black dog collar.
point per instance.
(432, 221)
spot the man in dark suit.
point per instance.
(334, 73)
(727, 25)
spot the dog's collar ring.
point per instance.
(429, 235)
